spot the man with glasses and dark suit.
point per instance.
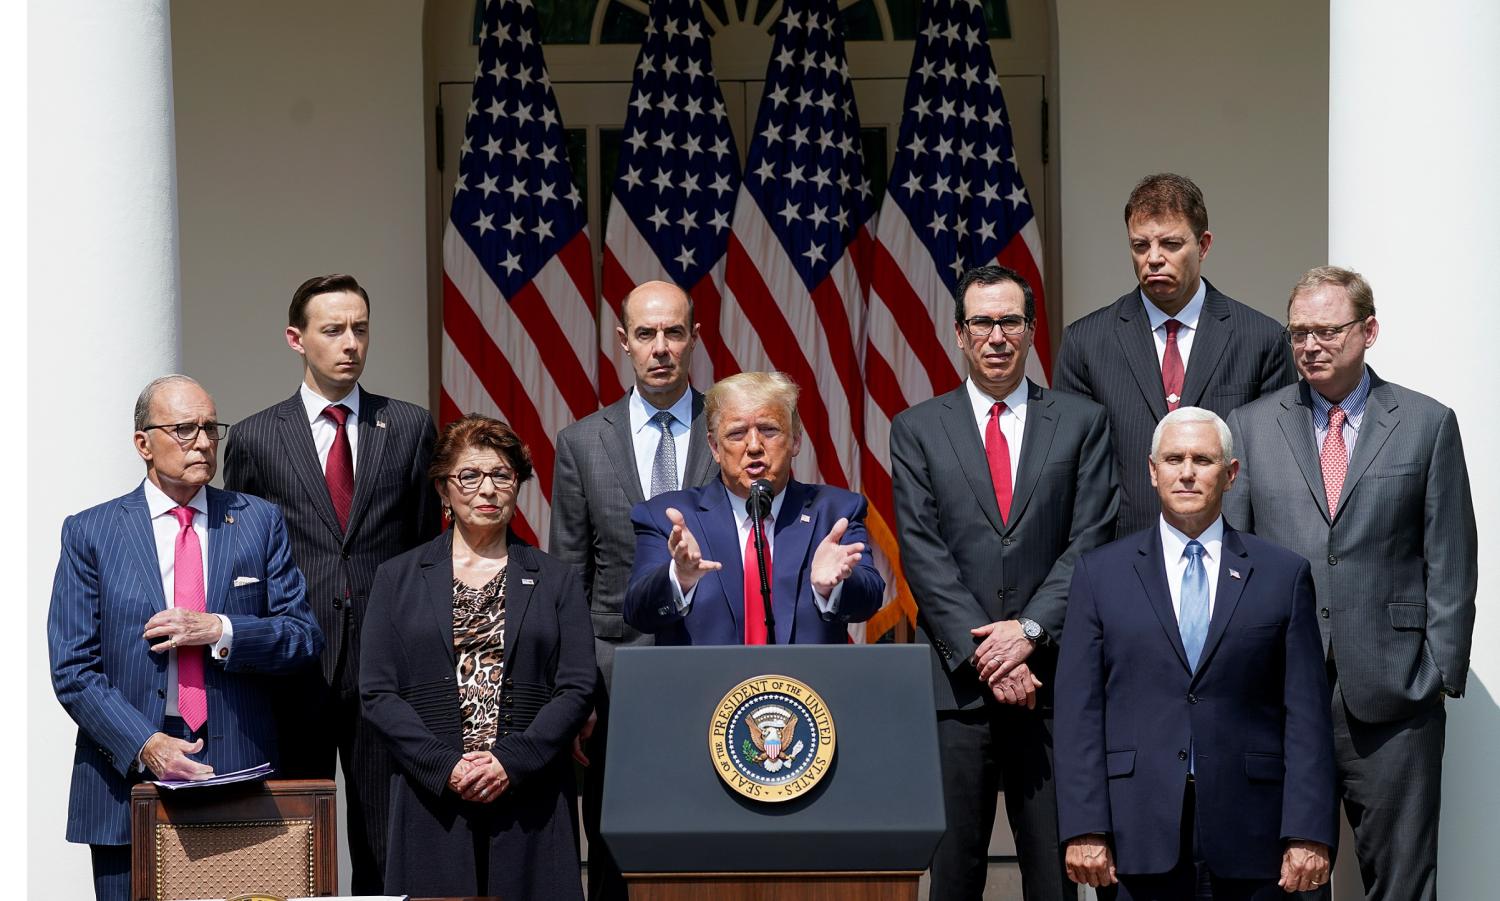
(348, 468)
(1367, 480)
(170, 606)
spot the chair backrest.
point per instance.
(276, 836)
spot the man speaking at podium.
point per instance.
(697, 577)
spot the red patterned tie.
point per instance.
(1335, 458)
(339, 471)
(997, 451)
(1171, 367)
(755, 608)
(187, 594)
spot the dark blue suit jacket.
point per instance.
(104, 673)
(717, 612)
(1256, 711)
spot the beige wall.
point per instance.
(300, 151)
(1233, 95)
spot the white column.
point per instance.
(1414, 204)
(105, 313)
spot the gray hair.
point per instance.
(1358, 290)
(1195, 414)
(148, 394)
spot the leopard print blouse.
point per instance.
(479, 644)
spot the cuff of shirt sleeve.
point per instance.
(220, 649)
(830, 605)
(680, 599)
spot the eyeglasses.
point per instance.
(471, 479)
(187, 432)
(983, 326)
(1323, 335)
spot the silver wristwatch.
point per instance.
(1032, 630)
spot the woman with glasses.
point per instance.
(476, 669)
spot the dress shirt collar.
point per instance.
(1174, 541)
(316, 403)
(641, 410)
(158, 504)
(1353, 404)
(1015, 401)
(742, 516)
(1188, 315)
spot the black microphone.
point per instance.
(758, 505)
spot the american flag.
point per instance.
(674, 193)
(519, 338)
(955, 200)
(796, 274)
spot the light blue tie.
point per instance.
(664, 467)
(1192, 618)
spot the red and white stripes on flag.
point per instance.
(519, 334)
(955, 200)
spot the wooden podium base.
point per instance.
(900, 885)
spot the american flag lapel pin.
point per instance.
(525, 581)
(380, 423)
(1234, 573)
(806, 518)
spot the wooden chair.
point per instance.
(274, 836)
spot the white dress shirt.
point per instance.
(742, 530)
(1174, 555)
(1188, 316)
(323, 429)
(164, 528)
(1012, 420)
(645, 435)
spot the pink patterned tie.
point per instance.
(188, 594)
(1335, 458)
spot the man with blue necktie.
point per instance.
(1194, 745)
(169, 607)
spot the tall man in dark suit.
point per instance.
(1193, 743)
(1000, 484)
(1172, 341)
(696, 579)
(349, 470)
(650, 441)
(1367, 480)
(168, 606)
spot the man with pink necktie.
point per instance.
(169, 605)
(1367, 480)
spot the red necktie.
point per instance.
(997, 451)
(1171, 367)
(187, 594)
(755, 608)
(1335, 458)
(339, 471)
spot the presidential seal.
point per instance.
(771, 738)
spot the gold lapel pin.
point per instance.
(229, 518)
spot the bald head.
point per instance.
(659, 334)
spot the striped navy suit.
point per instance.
(395, 508)
(108, 584)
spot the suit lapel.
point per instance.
(520, 585)
(437, 578)
(963, 434)
(1139, 349)
(793, 543)
(135, 527)
(619, 447)
(1233, 559)
(719, 540)
(1153, 575)
(1036, 443)
(373, 432)
(701, 467)
(1380, 420)
(1296, 426)
(1214, 334)
(302, 457)
(222, 536)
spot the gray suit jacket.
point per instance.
(1109, 356)
(593, 488)
(1396, 566)
(966, 567)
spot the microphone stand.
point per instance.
(758, 529)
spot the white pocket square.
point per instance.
(244, 580)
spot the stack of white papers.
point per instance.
(248, 775)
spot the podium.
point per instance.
(867, 828)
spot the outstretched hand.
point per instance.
(687, 559)
(833, 562)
